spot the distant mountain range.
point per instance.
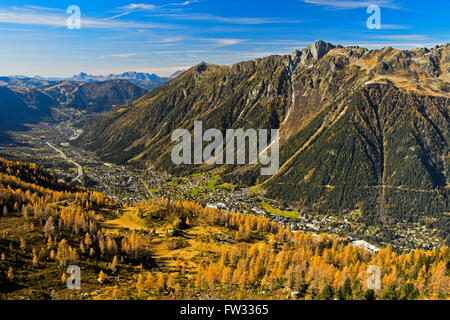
(20, 81)
(30, 100)
(23, 103)
(144, 80)
(364, 130)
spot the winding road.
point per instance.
(78, 166)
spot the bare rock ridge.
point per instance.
(318, 49)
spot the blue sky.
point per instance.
(164, 36)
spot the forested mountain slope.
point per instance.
(161, 249)
(359, 129)
(21, 105)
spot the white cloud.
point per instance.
(185, 3)
(394, 26)
(132, 7)
(135, 7)
(352, 4)
(215, 42)
(226, 42)
(42, 8)
(38, 16)
(30, 17)
(139, 6)
(401, 37)
(232, 20)
(123, 55)
(204, 43)
(167, 40)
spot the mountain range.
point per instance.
(362, 130)
(145, 80)
(19, 81)
(24, 104)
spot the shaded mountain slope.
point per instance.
(387, 153)
(94, 96)
(14, 109)
(24, 82)
(21, 105)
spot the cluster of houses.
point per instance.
(126, 185)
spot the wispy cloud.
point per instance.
(136, 7)
(231, 20)
(206, 43)
(185, 3)
(123, 55)
(167, 40)
(352, 4)
(417, 37)
(394, 27)
(225, 42)
(145, 6)
(41, 8)
(139, 6)
(39, 16)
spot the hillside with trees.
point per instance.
(53, 102)
(162, 249)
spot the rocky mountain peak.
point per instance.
(316, 51)
(320, 48)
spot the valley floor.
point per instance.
(49, 146)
